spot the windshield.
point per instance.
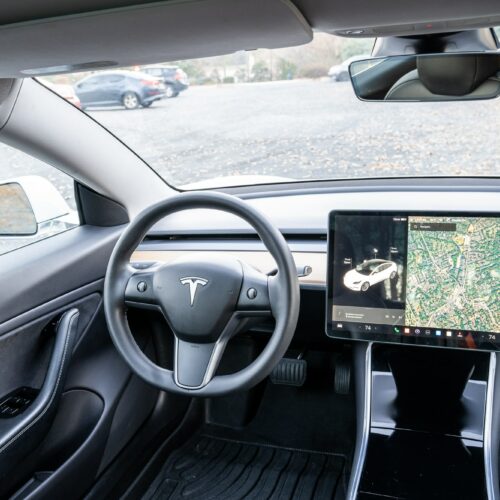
(280, 115)
(368, 267)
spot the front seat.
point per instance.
(448, 78)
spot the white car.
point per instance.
(340, 72)
(369, 273)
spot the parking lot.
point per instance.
(297, 129)
(307, 130)
(301, 129)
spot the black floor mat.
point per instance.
(214, 468)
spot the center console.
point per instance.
(425, 424)
(401, 283)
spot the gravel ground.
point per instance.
(297, 129)
(308, 130)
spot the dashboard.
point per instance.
(430, 278)
(303, 216)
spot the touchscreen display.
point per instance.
(415, 278)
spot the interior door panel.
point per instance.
(22, 428)
(50, 268)
(86, 406)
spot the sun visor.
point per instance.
(149, 33)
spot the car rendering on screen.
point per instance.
(369, 273)
(130, 89)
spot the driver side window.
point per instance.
(37, 201)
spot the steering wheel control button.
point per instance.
(252, 293)
(139, 289)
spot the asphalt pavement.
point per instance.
(297, 129)
(302, 129)
(307, 130)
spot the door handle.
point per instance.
(21, 434)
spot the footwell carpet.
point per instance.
(213, 468)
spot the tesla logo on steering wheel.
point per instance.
(193, 283)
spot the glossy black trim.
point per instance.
(96, 209)
(406, 464)
(422, 462)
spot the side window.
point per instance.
(109, 79)
(116, 78)
(90, 81)
(37, 201)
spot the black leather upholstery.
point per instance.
(449, 78)
(455, 75)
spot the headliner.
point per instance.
(339, 16)
(91, 34)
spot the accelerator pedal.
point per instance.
(342, 382)
(290, 371)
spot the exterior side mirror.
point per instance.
(31, 205)
(17, 217)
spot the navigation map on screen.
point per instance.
(453, 273)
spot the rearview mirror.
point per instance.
(429, 77)
(16, 214)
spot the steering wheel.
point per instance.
(206, 299)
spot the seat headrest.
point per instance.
(456, 75)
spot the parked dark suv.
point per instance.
(175, 78)
(130, 89)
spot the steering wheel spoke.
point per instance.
(195, 364)
(254, 298)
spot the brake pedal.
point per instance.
(290, 372)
